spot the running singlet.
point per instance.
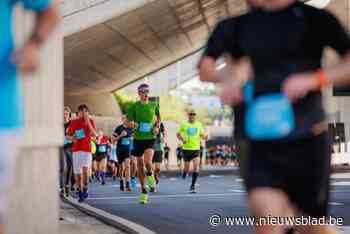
(192, 135)
(10, 101)
(280, 44)
(124, 143)
(144, 114)
(80, 130)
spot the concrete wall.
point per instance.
(34, 199)
(338, 108)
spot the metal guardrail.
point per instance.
(71, 7)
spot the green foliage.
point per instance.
(123, 101)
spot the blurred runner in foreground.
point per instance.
(283, 42)
(25, 60)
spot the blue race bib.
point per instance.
(80, 134)
(269, 117)
(102, 148)
(145, 127)
(126, 141)
(192, 131)
(66, 141)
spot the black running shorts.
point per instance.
(158, 157)
(301, 168)
(140, 146)
(189, 155)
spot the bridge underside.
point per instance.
(125, 48)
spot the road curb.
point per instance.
(109, 219)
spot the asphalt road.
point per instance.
(173, 210)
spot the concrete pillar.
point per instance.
(338, 107)
(34, 198)
(100, 105)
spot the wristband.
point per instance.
(322, 80)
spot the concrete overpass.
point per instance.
(127, 44)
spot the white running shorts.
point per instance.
(81, 159)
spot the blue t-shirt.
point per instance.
(10, 101)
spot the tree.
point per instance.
(123, 101)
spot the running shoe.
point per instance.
(193, 189)
(72, 188)
(143, 198)
(133, 183)
(128, 189)
(85, 192)
(81, 197)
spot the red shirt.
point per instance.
(80, 130)
(103, 140)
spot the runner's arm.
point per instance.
(92, 127)
(47, 17)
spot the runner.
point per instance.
(80, 132)
(94, 169)
(179, 156)
(190, 134)
(67, 149)
(158, 152)
(284, 42)
(123, 135)
(166, 155)
(113, 159)
(25, 60)
(101, 156)
(144, 117)
(133, 166)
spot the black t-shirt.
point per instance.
(280, 44)
(124, 143)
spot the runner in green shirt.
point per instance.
(144, 118)
(190, 134)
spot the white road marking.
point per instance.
(167, 196)
(335, 204)
(239, 180)
(342, 183)
(173, 178)
(237, 191)
(214, 176)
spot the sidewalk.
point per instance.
(76, 222)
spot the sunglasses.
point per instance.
(192, 114)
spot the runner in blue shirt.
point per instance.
(25, 60)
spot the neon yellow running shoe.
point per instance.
(143, 198)
(151, 182)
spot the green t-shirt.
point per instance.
(191, 134)
(144, 114)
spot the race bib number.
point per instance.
(192, 131)
(66, 141)
(145, 127)
(125, 141)
(102, 149)
(80, 134)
